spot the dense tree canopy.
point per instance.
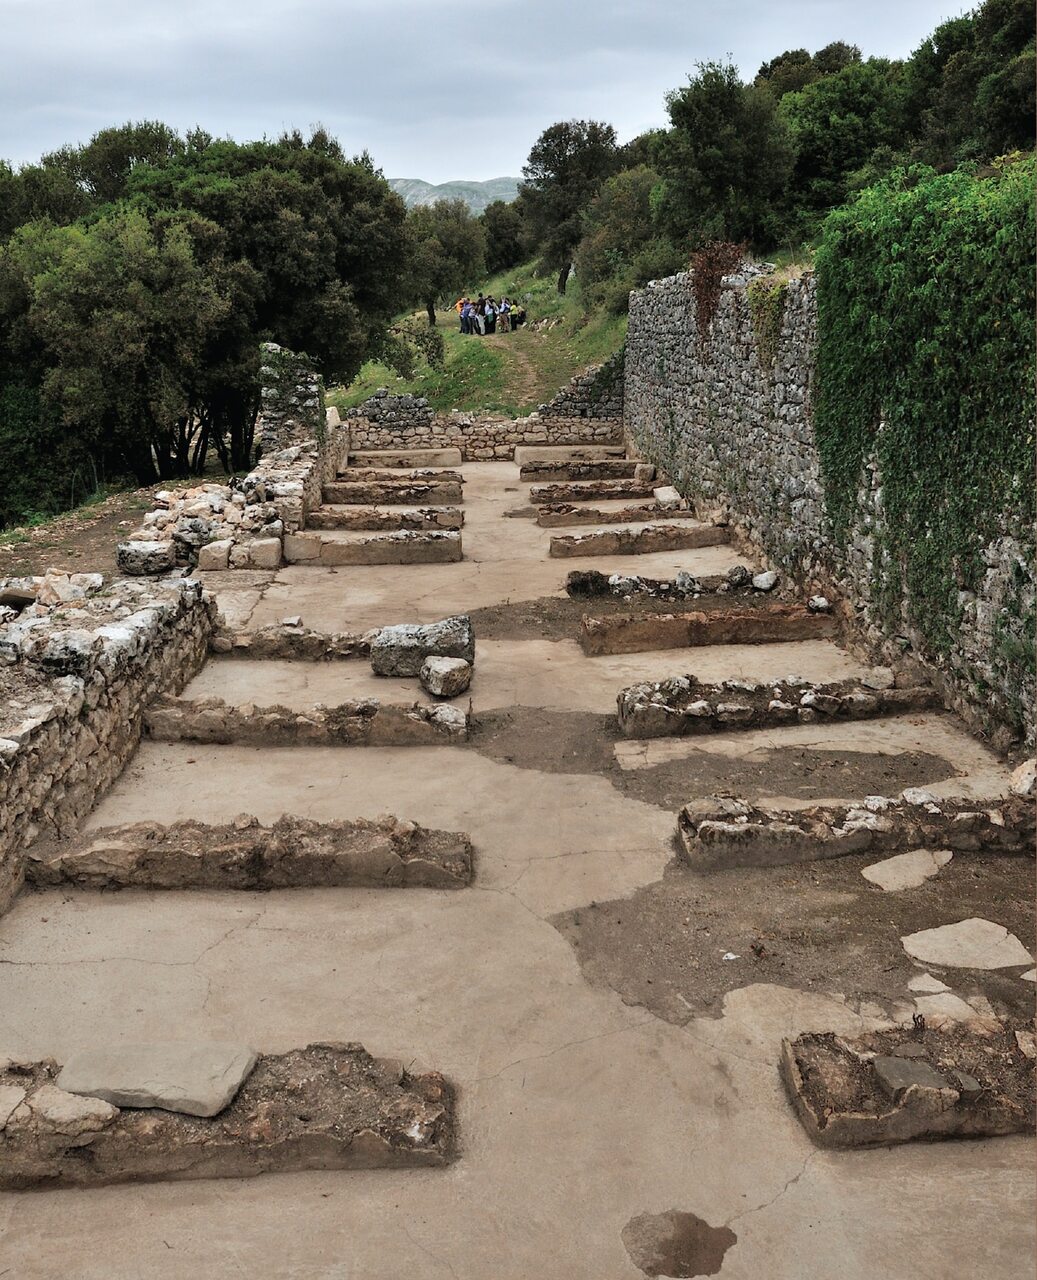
(449, 251)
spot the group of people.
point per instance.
(487, 315)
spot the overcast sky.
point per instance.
(434, 89)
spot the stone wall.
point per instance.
(80, 662)
(596, 394)
(292, 400)
(731, 423)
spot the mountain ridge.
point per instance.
(476, 195)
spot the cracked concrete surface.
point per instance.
(578, 1112)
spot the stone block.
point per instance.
(445, 677)
(765, 624)
(265, 553)
(214, 556)
(401, 650)
(140, 559)
(685, 536)
(198, 1078)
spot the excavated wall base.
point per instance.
(404, 493)
(298, 644)
(365, 722)
(356, 517)
(328, 1106)
(293, 853)
(388, 548)
(638, 633)
(449, 457)
(636, 542)
(592, 489)
(684, 705)
(562, 514)
(721, 831)
(602, 469)
(890, 1086)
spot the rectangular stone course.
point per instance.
(562, 514)
(764, 624)
(293, 853)
(723, 831)
(362, 722)
(294, 643)
(419, 519)
(403, 547)
(636, 542)
(328, 1106)
(685, 706)
(602, 469)
(590, 490)
(403, 493)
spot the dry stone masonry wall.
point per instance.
(79, 662)
(728, 416)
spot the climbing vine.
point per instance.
(925, 324)
(767, 309)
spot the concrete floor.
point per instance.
(578, 1112)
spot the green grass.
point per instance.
(512, 373)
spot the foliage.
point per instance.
(449, 252)
(566, 167)
(503, 228)
(925, 313)
(794, 69)
(725, 162)
(767, 296)
(709, 266)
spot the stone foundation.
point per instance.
(417, 519)
(588, 584)
(403, 492)
(720, 832)
(766, 624)
(685, 706)
(602, 469)
(638, 542)
(389, 548)
(561, 515)
(295, 643)
(294, 853)
(592, 489)
(363, 722)
(328, 1106)
(79, 674)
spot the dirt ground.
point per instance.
(83, 541)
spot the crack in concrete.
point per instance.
(428, 1252)
(571, 1044)
(791, 1182)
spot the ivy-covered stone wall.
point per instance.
(728, 408)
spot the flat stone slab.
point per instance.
(591, 490)
(528, 453)
(345, 516)
(725, 831)
(448, 457)
(292, 853)
(602, 469)
(906, 870)
(385, 548)
(968, 944)
(958, 1080)
(684, 705)
(359, 722)
(684, 536)
(403, 492)
(642, 632)
(328, 1106)
(197, 1078)
(394, 475)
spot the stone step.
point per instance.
(562, 515)
(607, 469)
(344, 516)
(402, 493)
(592, 490)
(635, 541)
(401, 475)
(532, 453)
(450, 457)
(642, 632)
(348, 546)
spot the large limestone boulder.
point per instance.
(198, 1078)
(446, 677)
(401, 650)
(141, 559)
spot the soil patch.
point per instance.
(82, 541)
(558, 617)
(676, 1244)
(550, 741)
(818, 926)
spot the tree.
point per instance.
(788, 72)
(502, 226)
(449, 251)
(566, 167)
(103, 166)
(724, 163)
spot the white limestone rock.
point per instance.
(1024, 779)
(445, 677)
(906, 870)
(667, 497)
(401, 650)
(968, 944)
(765, 581)
(141, 559)
(198, 1078)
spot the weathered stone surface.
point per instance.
(1024, 779)
(556, 469)
(685, 705)
(589, 584)
(563, 514)
(722, 831)
(361, 722)
(685, 536)
(970, 1080)
(767, 624)
(906, 870)
(215, 556)
(405, 493)
(667, 497)
(292, 853)
(403, 547)
(140, 559)
(297, 643)
(328, 1106)
(968, 944)
(445, 677)
(359, 517)
(449, 457)
(591, 490)
(766, 581)
(402, 649)
(197, 1078)
(566, 452)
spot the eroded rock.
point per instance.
(401, 650)
(445, 677)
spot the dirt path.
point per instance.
(83, 541)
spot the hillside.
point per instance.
(476, 195)
(505, 373)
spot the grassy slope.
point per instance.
(505, 373)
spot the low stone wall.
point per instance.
(640, 633)
(294, 643)
(725, 408)
(81, 665)
(636, 542)
(596, 394)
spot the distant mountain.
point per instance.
(476, 195)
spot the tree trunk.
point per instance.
(430, 307)
(563, 277)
